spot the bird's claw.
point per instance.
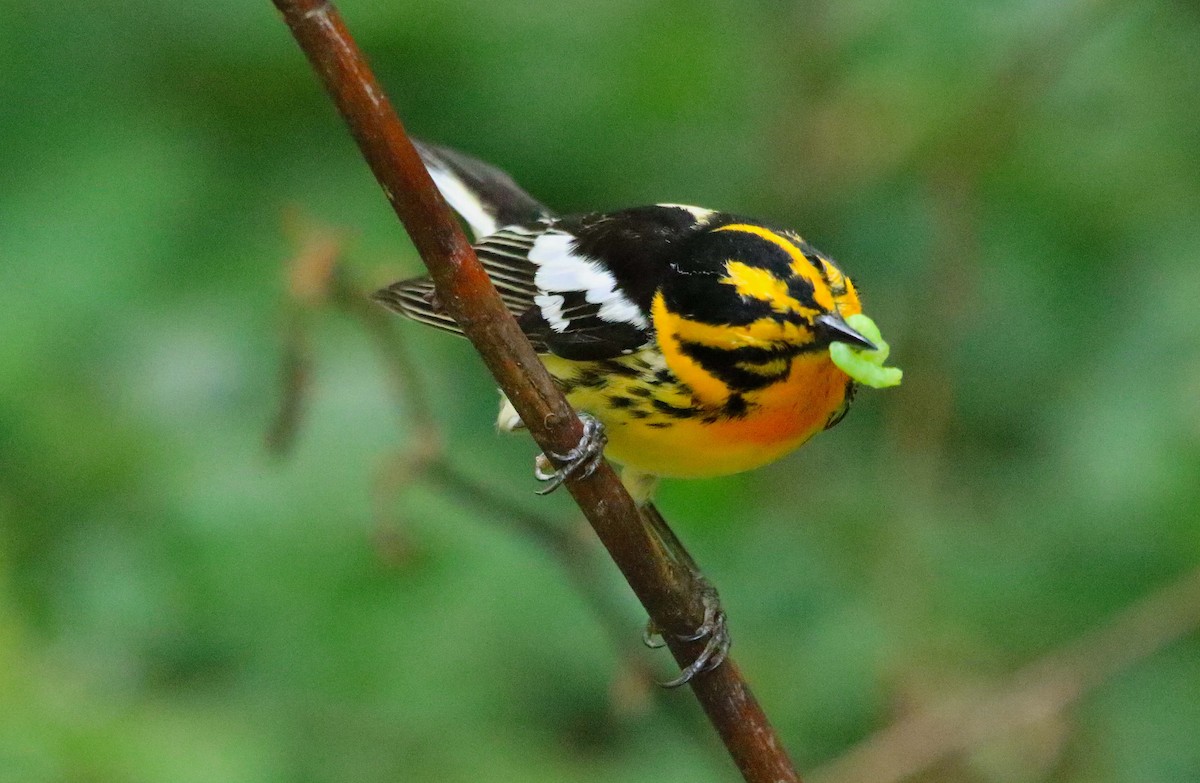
(586, 455)
(714, 628)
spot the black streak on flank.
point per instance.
(679, 413)
(591, 378)
(620, 369)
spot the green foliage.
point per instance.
(1012, 185)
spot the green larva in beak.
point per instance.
(864, 365)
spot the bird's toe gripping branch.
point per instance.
(586, 455)
(714, 629)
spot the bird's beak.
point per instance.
(834, 328)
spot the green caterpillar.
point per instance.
(863, 365)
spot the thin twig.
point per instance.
(307, 282)
(667, 591)
(295, 379)
(1034, 694)
(394, 351)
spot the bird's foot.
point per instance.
(713, 629)
(586, 455)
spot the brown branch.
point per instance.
(1036, 693)
(667, 591)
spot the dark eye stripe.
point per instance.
(729, 364)
(802, 290)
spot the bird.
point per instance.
(697, 340)
(692, 342)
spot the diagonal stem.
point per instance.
(666, 590)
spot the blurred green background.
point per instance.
(1015, 185)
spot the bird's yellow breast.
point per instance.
(656, 425)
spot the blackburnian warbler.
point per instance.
(698, 339)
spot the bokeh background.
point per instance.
(1015, 186)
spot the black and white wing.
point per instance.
(580, 310)
(504, 255)
(580, 287)
(505, 220)
(597, 275)
(566, 303)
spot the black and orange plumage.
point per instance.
(697, 338)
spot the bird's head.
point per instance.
(743, 301)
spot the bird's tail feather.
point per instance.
(485, 197)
